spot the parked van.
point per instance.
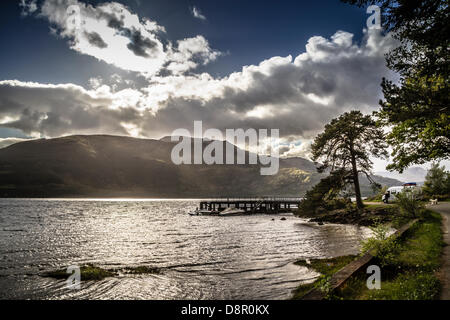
(392, 192)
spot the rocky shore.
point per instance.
(369, 217)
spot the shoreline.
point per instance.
(371, 215)
(409, 266)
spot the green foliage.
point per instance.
(417, 109)
(384, 248)
(411, 285)
(324, 284)
(323, 194)
(92, 272)
(87, 272)
(437, 182)
(423, 245)
(141, 270)
(420, 120)
(409, 265)
(327, 267)
(409, 204)
(408, 286)
(421, 248)
(302, 289)
(339, 203)
(409, 274)
(347, 144)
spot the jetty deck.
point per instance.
(252, 205)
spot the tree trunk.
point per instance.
(359, 203)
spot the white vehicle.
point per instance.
(392, 192)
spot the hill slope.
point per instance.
(111, 166)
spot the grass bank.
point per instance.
(91, 272)
(326, 267)
(408, 267)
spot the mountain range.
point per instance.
(413, 174)
(114, 166)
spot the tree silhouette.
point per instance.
(346, 146)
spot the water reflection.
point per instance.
(202, 257)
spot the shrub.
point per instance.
(408, 204)
(384, 248)
(326, 190)
(339, 203)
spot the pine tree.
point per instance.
(347, 144)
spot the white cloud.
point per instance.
(197, 13)
(113, 34)
(295, 147)
(6, 142)
(28, 6)
(55, 110)
(190, 53)
(95, 82)
(296, 95)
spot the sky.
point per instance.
(146, 68)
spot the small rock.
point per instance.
(283, 219)
(320, 223)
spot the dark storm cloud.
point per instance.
(113, 21)
(139, 44)
(283, 150)
(112, 27)
(298, 96)
(58, 110)
(297, 120)
(95, 39)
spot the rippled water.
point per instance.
(248, 257)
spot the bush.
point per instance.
(412, 264)
(339, 203)
(326, 190)
(408, 204)
(324, 284)
(384, 248)
(313, 207)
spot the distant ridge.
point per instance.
(413, 174)
(117, 166)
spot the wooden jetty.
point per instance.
(252, 205)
